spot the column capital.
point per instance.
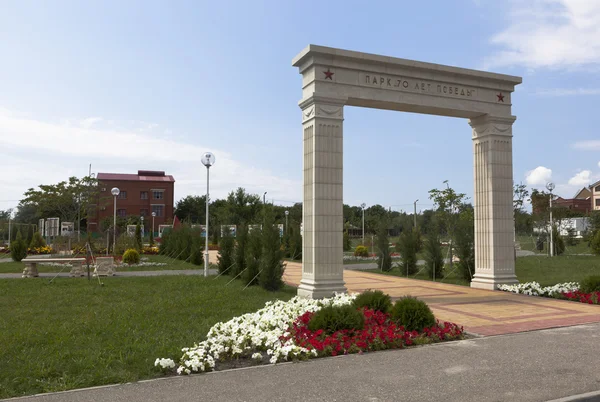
(492, 125)
(323, 107)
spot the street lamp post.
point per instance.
(550, 187)
(264, 197)
(286, 221)
(115, 192)
(363, 205)
(415, 212)
(153, 215)
(143, 231)
(208, 159)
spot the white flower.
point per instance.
(535, 289)
(164, 363)
(257, 356)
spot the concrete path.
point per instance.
(482, 312)
(533, 366)
(123, 273)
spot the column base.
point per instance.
(491, 282)
(319, 289)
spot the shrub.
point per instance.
(37, 241)
(559, 243)
(374, 300)
(361, 251)
(225, 257)
(18, 248)
(197, 248)
(595, 243)
(337, 318)
(124, 243)
(384, 259)
(271, 264)
(413, 314)
(464, 244)
(408, 247)
(138, 237)
(151, 238)
(239, 254)
(590, 284)
(434, 258)
(295, 242)
(253, 251)
(346, 241)
(131, 256)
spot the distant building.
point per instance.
(578, 226)
(582, 202)
(595, 197)
(140, 194)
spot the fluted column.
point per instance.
(322, 212)
(493, 193)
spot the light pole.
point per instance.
(264, 197)
(153, 215)
(363, 205)
(208, 160)
(415, 213)
(115, 192)
(143, 231)
(9, 226)
(550, 187)
(286, 221)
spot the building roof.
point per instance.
(583, 194)
(142, 175)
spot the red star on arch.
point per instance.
(500, 97)
(328, 74)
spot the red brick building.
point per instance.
(140, 195)
(582, 202)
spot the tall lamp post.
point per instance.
(363, 205)
(265, 197)
(143, 231)
(550, 187)
(415, 212)
(115, 192)
(208, 159)
(286, 221)
(153, 215)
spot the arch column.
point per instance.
(493, 196)
(322, 208)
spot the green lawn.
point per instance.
(74, 333)
(528, 243)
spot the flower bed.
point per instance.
(567, 291)
(589, 298)
(279, 332)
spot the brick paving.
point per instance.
(481, 312)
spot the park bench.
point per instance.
(31, 270)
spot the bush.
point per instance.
(225, 257)
(434, 258)
(18, 248)
(413, 314)
(590, 284)
(239, 254)
(384, 259)
(337, 318)
(361, 251)
(131, 256)
(595, 243)
(138, 237)
(373, 300)
(197, 249)
(37, 241)
(124, 243)
(271, 264)
(559, 243)
(253, 253)
(408, 247)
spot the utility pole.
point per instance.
(363, 205)
(415, 213)
(550, 187)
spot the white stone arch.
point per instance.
(333, 78)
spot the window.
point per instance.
(158, 194)
(122, 195)
(143, 212)
(597, 189)
(598, 202)
(158, 209)
(122, 213)
(143, 195)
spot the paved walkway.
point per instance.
(533, 366)
(122, 273)
(482, 312)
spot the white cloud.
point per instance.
(568, 92)
(591, 145)
(580, 179)
(538, 176)
(549, 33)
(47, 152)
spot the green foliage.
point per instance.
(346, 241)
(183, 243)
(131, 256)
(124, 243)
(191, 209)
(37, 241)
(464, 244)
(374, 300)
(138, 237)
(413, 314)
(197, 250)
(18, 248)
(361, 251)
(239, 253)
(384, 259)
(271, 264)
(151, 238)
(225, 258)
(571, 240)
(295, 242)
(407, 246)
(253, 251)
(590, 284)
(337, 318)
(559, 243)
(595, 243)
(434, 258)
(447, 203)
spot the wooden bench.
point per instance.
(31, 270)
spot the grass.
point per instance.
(74, 333)
(528, 243)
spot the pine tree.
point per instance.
(138, 237)
(37, 241)
(18, 248)
(225, 258)
(239, 256)
(384, 259)
(271, 263)
(434, 258)
(407, 247)
(253, 251)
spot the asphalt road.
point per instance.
(533, 366)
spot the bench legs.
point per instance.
(30, 270)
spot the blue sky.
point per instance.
(150, 85)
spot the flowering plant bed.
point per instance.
(279, 332)
(577, 295)
(566, 291)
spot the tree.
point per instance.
(407, 247)
(138, 237)
(384, 259)
(434, 259)
(225, 259)
(465, 244)
(346, 241)
(448, 204)
(558, 242)
(271, 264)
(295, 242)
(37, 241)
(18, 248)
(253, 254)
(595, 243)
(240, 250)
(191, 209)
(151, 238)
(197, 252)
(242, 207)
